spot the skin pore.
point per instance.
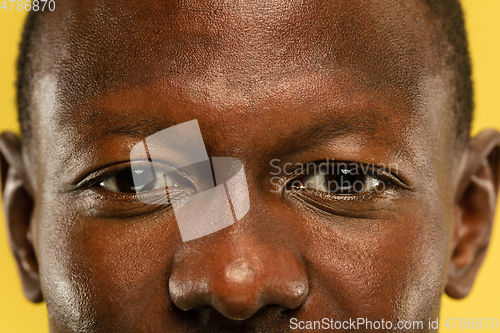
(301, 82)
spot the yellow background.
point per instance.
(19, 316)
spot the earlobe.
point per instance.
(18, 206)
(474, 212)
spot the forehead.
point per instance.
(279, 61)
(97, 46)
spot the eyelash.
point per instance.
(96, 178)
(384, 177)
(391, 181)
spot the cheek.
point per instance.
(379, 268)
(106, 274)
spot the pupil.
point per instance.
(125, 180)
(344, 180)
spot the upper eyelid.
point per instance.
(306, 171)
(108, 171)
(373, 171)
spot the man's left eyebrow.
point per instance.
(331, 126)
(371, 126)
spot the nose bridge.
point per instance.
(238, 276)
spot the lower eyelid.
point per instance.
(159, 192)
(337, 204)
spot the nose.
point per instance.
(238, 279)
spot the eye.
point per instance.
(339, 179)
(143, 178)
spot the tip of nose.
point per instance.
(236, 309)
(240, 272)
(246, 291)
(242, 303)
(239, 296)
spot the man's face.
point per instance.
(276, 85)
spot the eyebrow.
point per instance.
(319, 128)
(331, 126)
(325, 126)
(124, 124)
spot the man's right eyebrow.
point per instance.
(124, 124)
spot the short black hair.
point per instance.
(25, 75)
(453, 25)
(448, 12)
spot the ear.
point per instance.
(475, 210)
(18, 196)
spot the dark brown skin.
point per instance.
(300, 82)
